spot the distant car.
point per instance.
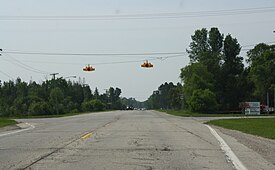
(129, 108)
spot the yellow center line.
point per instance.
(87, 135)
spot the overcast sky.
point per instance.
(124, 27)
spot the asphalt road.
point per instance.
(122, 140)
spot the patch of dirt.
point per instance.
(9, 128)
(263, 146)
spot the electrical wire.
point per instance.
(135, 61)
(148, 16)
(93, 54)
(251, 45)
(118, 62)
(14, 61)
(6, 74)
(153, 56)
(106, 63)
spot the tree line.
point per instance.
(56, 96)
(216, 78)
(167, 96)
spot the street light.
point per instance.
(69, 77)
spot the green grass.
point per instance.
(55, 115)
(6, 122)
(43, 116)
(52, 116)
(185, 113)
(194, 114)
(264, 127)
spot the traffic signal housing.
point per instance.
(146, 64)
(88, 68)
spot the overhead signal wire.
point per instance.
(148, 15)
(151, 54)
(105, 63)
(118, 62)
(134, 61)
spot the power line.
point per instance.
(151, 54)
(106, 63)
(29, 67)
(251, 45)
(6, 74)
(241, 11)
(94, 54)
(135, 61)
(25, 66)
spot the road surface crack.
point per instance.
(188, 131)
(72, 141)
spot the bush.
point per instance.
(98, 105)
(92, 105)
(87, 106)
(38, 108)
(202, 101)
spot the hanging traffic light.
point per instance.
(146, 64)
(88, 68)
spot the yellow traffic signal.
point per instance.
(146, 64)
(88, 68)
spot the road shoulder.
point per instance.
(250, 148)
(9, 128)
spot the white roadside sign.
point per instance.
(253, 108)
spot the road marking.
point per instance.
(87, 135)
(17, 131)
(227, 150)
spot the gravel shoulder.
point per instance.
(263, 146)
(9, 128)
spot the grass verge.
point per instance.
(194, 114)
(185, 113)
(6, 122)
(264, 127)
(56, 115)
(50, 116)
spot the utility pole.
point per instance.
(267, 102)
(273, 88)
(53, 74)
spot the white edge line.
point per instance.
(17, 131)
(227, 150)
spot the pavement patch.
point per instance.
(24, 126)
